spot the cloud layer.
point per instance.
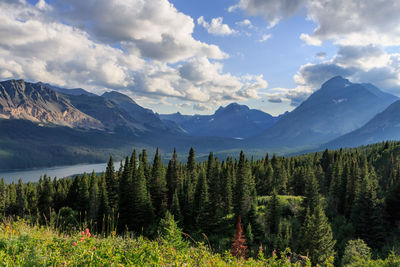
(361, 30)
(142, 47)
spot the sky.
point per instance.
(193, 56)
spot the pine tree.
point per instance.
(93, 197)
(112, 185)
(21, 200)
(311, 194)
(317, 239)
(245, 188)
(142, 210)
(273, 214)
(125, 197)
(104, 210)
(158, 185)
(83, 196)
(366, 211)
(45, 197)
(175, 208)
(172, 177)
(201, 200)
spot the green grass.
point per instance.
(24, 245)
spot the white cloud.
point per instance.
(358, 63)
(355, 22)
(245, 23)
(153, 29)
(122, 45)
(201, 107)
(216, 26)
(272, 10)
(265, 37)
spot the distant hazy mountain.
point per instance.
(384, 126)
(339, 107)
(39, 126)
(38, 103)
(234, 120)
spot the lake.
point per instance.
(33, 175)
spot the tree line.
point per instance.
(314, 203)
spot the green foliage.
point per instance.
(355, 250)
(323, 197)
(19, 247)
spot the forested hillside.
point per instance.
(320, 204)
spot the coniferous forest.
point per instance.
(320, 205)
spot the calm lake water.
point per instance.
(60, 171)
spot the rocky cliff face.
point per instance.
(36, 102)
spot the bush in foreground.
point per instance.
(25, 245)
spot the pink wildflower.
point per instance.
(74, 244)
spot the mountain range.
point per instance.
(234, 120)
(337, 108)
(44, 125)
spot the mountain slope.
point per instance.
(234, 120)
(74, 91)
(384, 126)
(339, 107)
(38, 103)
(138, 113)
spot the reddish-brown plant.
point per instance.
(239, 248)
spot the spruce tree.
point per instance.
(21, 199)
(317, 239)
(125, 197)
(83, 195)
(142, 211)
(45, 197)
(104, 210)
(175, 208)
(93, 197)
(172, 177)
(112, 185)
(158, 185)
(245, 188)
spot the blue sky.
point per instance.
(193, 56)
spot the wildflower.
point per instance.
(82, 233)
(74, 244)
(94, 248)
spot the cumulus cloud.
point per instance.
(201, 107)
(216, 26)
(272, 10)
(153, 29)
(358, 63)
(361, 29)
(346, 22)
(143, 48)
(355, 22)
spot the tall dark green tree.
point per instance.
(318, 240)
(173, 179)
(142, 210)
(244, 189)
(112, 185)
(125, 197)
(158, 186)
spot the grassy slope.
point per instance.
(24, 245)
